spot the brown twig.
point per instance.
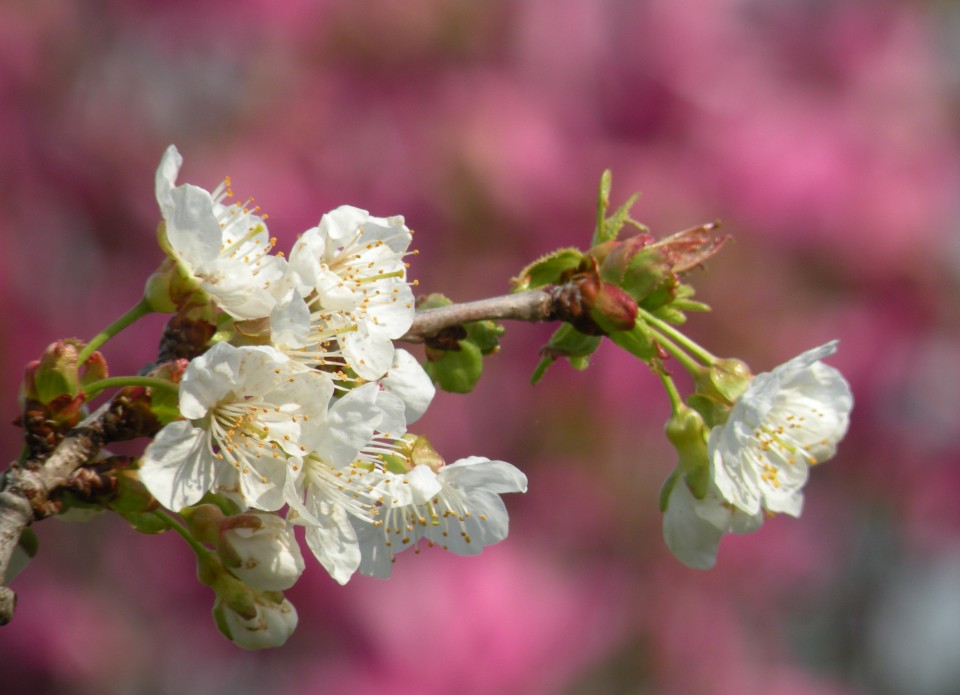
(25, 492)
(532, 306)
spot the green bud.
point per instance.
(456, 371)
(723, 383)
(687, 432)
(157, 288)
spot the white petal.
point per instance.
(692, 539)
(479, 473)
(410, 382)
(368, 351)
(166, 176)
(177, 467)
(333, 542)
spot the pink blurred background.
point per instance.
(823, 134)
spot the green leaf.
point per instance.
(547, 269)
(457, 371)
(603, 202)
(637, 341)
(613, 224)
(567, 342)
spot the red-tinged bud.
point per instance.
(613, 309)
(55, 374)
(592, 306)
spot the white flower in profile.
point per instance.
(456, 507)
(351, 298)
(331, 485)
(225, 248)
(246, 411)
(786, 421)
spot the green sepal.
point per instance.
(547, 269)
(637, 341)
(713, 411)
(456, 371)
(567, 342)
(670, 314)
(164, 404)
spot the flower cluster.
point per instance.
(757, 461)
(303, 405)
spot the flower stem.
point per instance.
(666, 329)
(172, 522)
(676, 402)
(675, 351)
(137, 312)
(96, 387)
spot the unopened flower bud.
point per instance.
(265, 621)
(687, 432)
(260, 550)
(613, 309)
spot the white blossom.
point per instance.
(333, 485)
(226, 248)
(246, 410)
(786, 421)
(351, 298)
(457, 507)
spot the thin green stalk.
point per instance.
(139, 311)
(665, 328)
(93, 388)
(197, 547)
(676, 402)
(675, 351)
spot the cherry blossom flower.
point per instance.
(786, 421)
(246, 409)
(351, 298)
(333, 484)
(456, 506)
(224, 248)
